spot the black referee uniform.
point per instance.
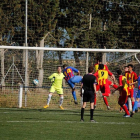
(89, 93)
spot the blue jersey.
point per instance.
(138, 82)
(69, 72)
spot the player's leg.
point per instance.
(121, 102)
(136, 103)
(76, 79)
(105, 93)
(132, 98)
(72, 85)
(85, 99)
(60, 92)
(91, 106)
(82, 111)
(52, 90)
(73, 80)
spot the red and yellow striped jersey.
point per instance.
(102, 76)
(96, 67)
(130, 78)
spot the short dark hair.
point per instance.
(119, 72)
(125, 66)
(65, 65)
(130, 65)
(101, 66)
(99, 59)
(59, 66)
(90, 69)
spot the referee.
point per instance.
(89, 86)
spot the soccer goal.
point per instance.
(42, 62)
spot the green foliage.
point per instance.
(112, 24)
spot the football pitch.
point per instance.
(46, 124)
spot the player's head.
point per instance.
(130, 67)
(125, 68)
(59, 69)
(119, 72)
(99, 60)
(90, 69)
(101, 66)
(64, 66)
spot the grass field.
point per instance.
(46, 124)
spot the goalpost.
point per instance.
(36, 95)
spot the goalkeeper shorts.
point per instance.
(58, 90)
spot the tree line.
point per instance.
(69, 23)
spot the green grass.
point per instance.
(41, 124)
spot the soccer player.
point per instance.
(135, 107)
(104, 83)
(96, 68)
(131, 76)
(71, 79)
(125, 74)
(57, 79)
(89, 86)
(123, 90)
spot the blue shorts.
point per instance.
(73, 80)
(138, 94)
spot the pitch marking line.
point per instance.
(51, 121)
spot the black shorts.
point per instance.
(88, 96)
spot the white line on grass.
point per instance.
(52, 121)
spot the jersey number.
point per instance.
(68, 70)
(102, 73)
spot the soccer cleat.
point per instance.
(108, 107)
(46, 106)
(136, 111)
(94, 106)
(126, 116)
(132, 114)
(61, 107)
(75, 102)
(82, 120)
(92, 120)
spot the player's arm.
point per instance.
(135, 81)
(52, 77)
(75, 70)
(94, 86)
(112, 76)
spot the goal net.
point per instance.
(61, 32)
(13, 74)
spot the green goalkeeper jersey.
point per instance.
(57, 79)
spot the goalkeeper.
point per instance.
(57, 79)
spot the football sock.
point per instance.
(49, 99)
(91, 114)
(135, 105)
(82, 113)
(127, 105)
(115, 86)
(105, 100)
(121, 108)
(61, 100)
(74, 95)
(126, 110)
